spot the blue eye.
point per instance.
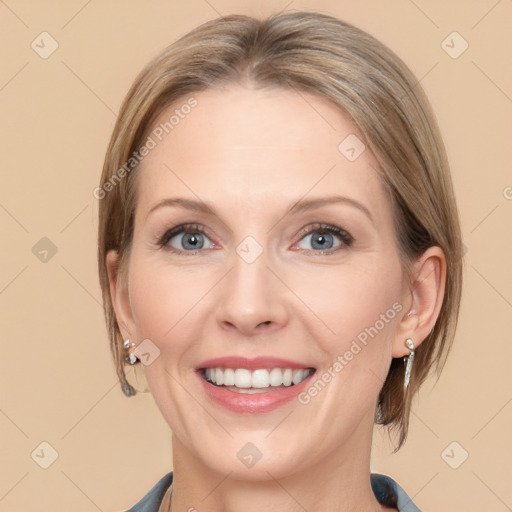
(326, 238)
(185, 238)
(323, 239)
(190, 241)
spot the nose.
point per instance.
(251, 300)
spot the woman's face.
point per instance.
(288, 253)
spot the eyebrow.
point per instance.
(299, 206)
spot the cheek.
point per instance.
(159, 299)
(360, 311)
(352, 302)
(169, 303)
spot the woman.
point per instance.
(280, 254)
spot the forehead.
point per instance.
(256, 147)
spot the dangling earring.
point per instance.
(131, 358)
(140, 385)
(408, 361)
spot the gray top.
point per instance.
(386, 490)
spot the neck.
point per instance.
(340, 481)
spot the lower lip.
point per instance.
(253, 403)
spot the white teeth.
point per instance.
(242, 378)
(229, 377)
(298, 376)
(257, 379)
(276, 377)
(287, 377)
(260, 379)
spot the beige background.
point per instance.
(57, 380)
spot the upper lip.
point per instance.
(255, 363)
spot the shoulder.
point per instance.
(151, 501)
(389, 493)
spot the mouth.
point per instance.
(261, 380)
(256, 385)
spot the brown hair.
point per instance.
(345, 65)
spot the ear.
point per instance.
(424, 297)
(119, 295)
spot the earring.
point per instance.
(408, 361)
(130, 358)
(139, 385)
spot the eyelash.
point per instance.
(346, 238)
